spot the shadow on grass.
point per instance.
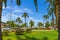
(31, 38)
(26, 38)
(45, 38)
(18, 37)
(8, 39)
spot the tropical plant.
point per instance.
(31, 23)
(40, 24)
(47, 24)
(46, 17)
(18, 20)
(25, 15)
(55, 6)
(52, 9)
(11, 24)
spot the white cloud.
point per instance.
(17, 11)
(3, 7)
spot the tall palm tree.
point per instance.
(56, 4)
(40, 24)
(25, 15)
(18, 20)
(51, 9)
(31, 23)
(0, 18)
(51, 14)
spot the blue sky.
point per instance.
(26, 6)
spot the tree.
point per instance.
(56, 6)
(52, 9)
(31, 23)
(11, 24)
(25, 15)
(47, 24)
(18, 20)
(40, 24)
(46, 17)
(51, 14)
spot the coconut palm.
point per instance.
(31, 23)
(25, 15)
(47, 24)
(51, 9)
(18, 20)
(40, 24)
(56, 5)
(46, 17)
(51, 14)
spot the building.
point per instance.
(3, 25)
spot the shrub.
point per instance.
(5, 33)
(28, 30)
(19, 31)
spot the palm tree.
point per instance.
(25, 15)
(40, 24)
(47, 24)
(52, 9)
(46, 17)
(51, 14)
(18, 20)
(56, 6)
(31, 23)
(12, 23)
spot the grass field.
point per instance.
(35, 35)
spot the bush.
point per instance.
(5, 33)
(19, 31)
(28, 30)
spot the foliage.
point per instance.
(18, 2)
(40, 24)
(5, 33)
(29, 30)
(46, 17)
(18, 20)
(31, 23)
(19, 31)
(23, 25)
(25, 15)
(47, 24)
(11, 23)
(36, 5)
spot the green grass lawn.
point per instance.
(37, 35)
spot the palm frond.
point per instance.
(5, 3)
(18, 2)
(36, 5)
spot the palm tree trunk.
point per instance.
(59, 27)
(53, 21)
(0, 19)
(58, 19)
(25, 22)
